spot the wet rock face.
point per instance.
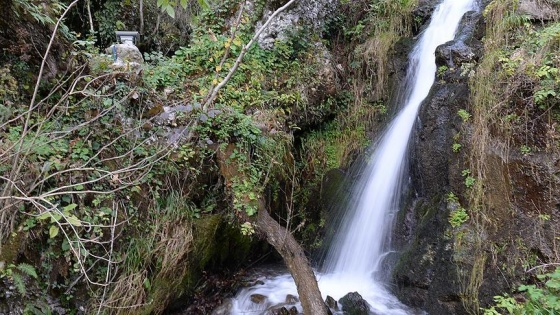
(425, 274)
(521, 200)
(464, 49)
(424, 11)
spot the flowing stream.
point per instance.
(354, 262)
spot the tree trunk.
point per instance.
(295, 259)
(141, 13)
(281, 239)
(91, 28)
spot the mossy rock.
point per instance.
(218, 243)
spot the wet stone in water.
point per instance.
(354, 304)
(284, 311)
(290, 299)
(331, 303)
(258, 298)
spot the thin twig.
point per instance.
(543, 266)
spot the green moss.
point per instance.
(11, 248)
(218, 243)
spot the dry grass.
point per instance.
(128, 295)
(175, 242)
(350, 133)
(484, 103)
(155, 265)
(392, 21)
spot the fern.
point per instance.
(27, 269)
(19, 283)
(37, 308)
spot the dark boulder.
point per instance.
(354, 304)
(423, 12)
(291, 299)
(331, 303)
(465, 48)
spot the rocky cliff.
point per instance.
(485, 210)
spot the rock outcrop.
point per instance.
(426, 275)
(126, 53)
(310, 14)
(445, 266)
(540, 9)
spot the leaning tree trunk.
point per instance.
(281, 239)
(294, 257)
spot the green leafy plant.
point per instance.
(456, 147)
(542, 298)
(247, 228)
(458, 217)
(108, 21)
(168, 6)
(17, 272)
(542, 95)
(441, 70)
(464, 115)
(38, 307)
(458, 214)
(469, 180)
(525, 149)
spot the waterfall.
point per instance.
(357, 252)
(358, 246)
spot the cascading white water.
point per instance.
(358, 249)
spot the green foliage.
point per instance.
(99, 173)
(247, 229)
(458, 214)
(464, 115)
(456, 147)
(161, 72)
(534, 60)
(8, 86)
(356, 30)
(458, 217)
(228, 126)
(108, 22)
(27, 269)
(16, 273)
(245, 194)
(168, 6)
(373, 29)
(469, 180)
(441, 70)
(38, 307)
(543, 298)
(44, 14)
